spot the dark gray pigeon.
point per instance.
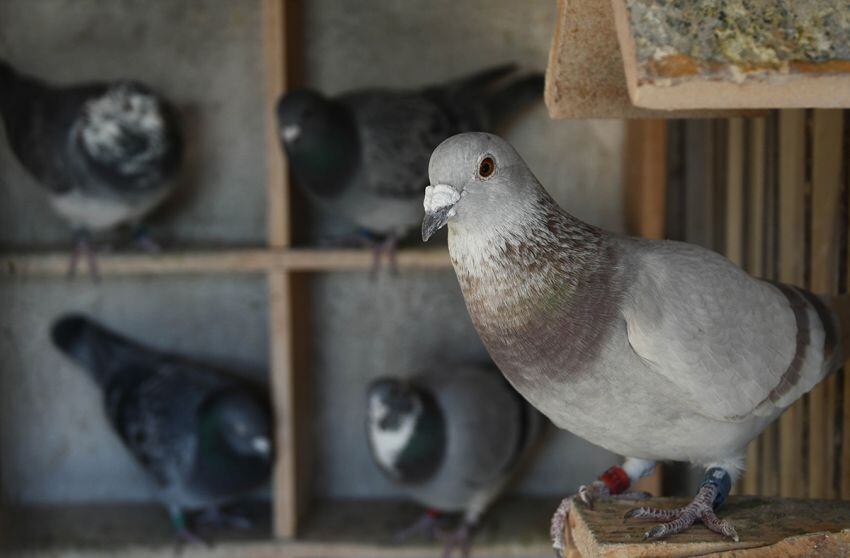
(106, 153)
(655, 350)
(451, 440)
(362, 155)
(202, 435)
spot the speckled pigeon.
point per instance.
(361, 154)
(656, 350)
(203, 436)
(106, 153)
(451, 440)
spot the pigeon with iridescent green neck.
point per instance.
(655, 350)
(202, 435)
(361, 155)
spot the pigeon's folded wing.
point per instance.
(731, 345)
(397, 135)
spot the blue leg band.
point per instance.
(721, 480)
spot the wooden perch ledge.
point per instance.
(768, 527)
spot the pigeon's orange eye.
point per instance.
(486, 167)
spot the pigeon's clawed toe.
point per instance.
(460, 539)
(679, 520)
(426, 526)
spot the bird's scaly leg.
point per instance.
(181, 527)
(426, 525)
(143, 239)
(83, 247)
(712, 493)
(460, 538)
(612, 484)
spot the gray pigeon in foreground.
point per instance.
(203, 436)
(655, 350)
(361, 154)
(105, 152)
(451, 440)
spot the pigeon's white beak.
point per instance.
(290, 133)
(262, 445)
(439, 203)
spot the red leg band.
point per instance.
(616, 479)
(432, 513)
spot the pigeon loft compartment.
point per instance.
(255, 285)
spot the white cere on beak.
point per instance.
(290, 133)
(261, 445)
(440, 196)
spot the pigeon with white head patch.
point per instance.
(107, 153)
(451, 440)
(203, 436)
(361, 154)
(655, 350)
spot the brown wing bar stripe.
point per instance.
(825, 315)
(792, 373)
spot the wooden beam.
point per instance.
(774, 527)
(646, 177)
(827, 135)
(235, 260)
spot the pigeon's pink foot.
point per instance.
(711, 495)
(83, 248)
(460, 539)
(613, 480)
(426, 526)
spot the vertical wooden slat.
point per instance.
(645, 164)
(646, 177)
(791, 269)
(754, 139)
(700, 183)
(825, 239)
(734, 250)
(290, 475)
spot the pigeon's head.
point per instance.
(304, 118)
(243, 423)
(394, 405)
(477, 180)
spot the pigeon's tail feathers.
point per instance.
(839, 326)
(478, 82)
(8, 80)
(101, 352)
(513, 97)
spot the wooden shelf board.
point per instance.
(585, 76)
(249, 260)
(517, 527)
(765, 526)
(711, 71)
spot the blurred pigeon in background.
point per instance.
(656, 350)
(362, 155)
(105, 152)
(451, 440)
(203, 436)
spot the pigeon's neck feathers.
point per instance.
(533, 240)
(217, 463)
(328, 155)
